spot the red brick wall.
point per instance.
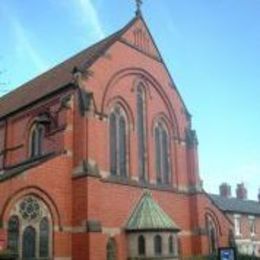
(85, 138)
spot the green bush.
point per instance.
(7, 255)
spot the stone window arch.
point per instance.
(141, 131)
(118, 141)
(33, 231)
(141, 245)
(162, 153)
(111, 249)
(158, 245)
(36, 139)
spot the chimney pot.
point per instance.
(241, 191)
(225, 190)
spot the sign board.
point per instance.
(227, 253)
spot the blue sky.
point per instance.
(212, 49)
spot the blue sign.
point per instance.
(227, 253)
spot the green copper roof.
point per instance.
(148, 216)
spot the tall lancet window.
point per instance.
(141, 133)
(162, 153)
(118, 148)
(36, 140)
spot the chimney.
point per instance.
(225, 190)
(241, 191)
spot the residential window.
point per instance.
(252, 226)
(141, 127)
(158, 245)
(36, 140)
(141, 245)
(237, 224)
(118, 143)
(162, 153)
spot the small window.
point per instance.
(252, 225)
(36, 140)
(111, 249)
(158, 245)
(171, 245)
(141, 245)
(237, 222)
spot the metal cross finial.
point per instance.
(138, 7)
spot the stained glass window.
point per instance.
(118, 148)
(141, 133)
(29, 243)
(36, 140)
(13, 234)
(44, 238)
(113, 144)
(29, 208)
(162, 154)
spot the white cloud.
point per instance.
(24, 47)
(22, 41)
(89, 16)
(85, 15)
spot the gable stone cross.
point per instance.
(138, 7)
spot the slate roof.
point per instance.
(149, 216)
(56, 78)
(235, 205)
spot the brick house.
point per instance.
(98, 160)
(245, 214)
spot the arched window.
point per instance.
(13, 234)
(162, 153)
(141, 133)
(30, 229)
(111, 249)
(29, 243)
(141, 245)
(158, 245)
(118, 143)
(36, 140)
(44, 237)
(212, 235)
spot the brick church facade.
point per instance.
(98, 160)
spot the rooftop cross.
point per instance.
(138, 7)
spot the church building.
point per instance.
(98, 160)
